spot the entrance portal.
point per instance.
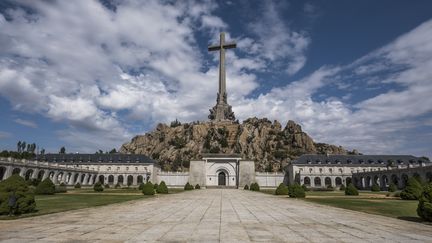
(221, 179)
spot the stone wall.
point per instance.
(269, 179)
(173, 179)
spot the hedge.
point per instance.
(254, 187)
(188, 187)
(412, 191)
(61, 188)
(342, 187)
(375, 188)
(350, 190)
(197, 186)
(141, 186)
(148, 189)
(162, 188)
(46, 187)
(424, 209)
(392, 187)
(77, 186)
(296, 191)
(281, 190)
(98, 187)
(246, 187)
(25, 202)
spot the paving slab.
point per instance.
(213, 215)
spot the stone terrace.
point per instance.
(213, 215)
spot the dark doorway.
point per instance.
(222, 179)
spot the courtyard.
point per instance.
(210, 216)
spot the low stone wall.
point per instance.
(269, 179)
(173, 179)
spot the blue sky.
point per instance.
(90, 75)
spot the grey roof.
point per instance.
(358, 159)
(95, 158)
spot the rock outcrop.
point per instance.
(261, 140)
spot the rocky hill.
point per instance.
(265, 142)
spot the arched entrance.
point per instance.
(222, 178)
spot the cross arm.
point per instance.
(230, 45)
(214, 48)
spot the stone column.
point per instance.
(22, 172)
(71, 179)
(312, 181)
(125, 179)
(115, 179)
(135, 180)
(333, 181)
(45, 174)
(35, 173)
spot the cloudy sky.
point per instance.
(91, 75)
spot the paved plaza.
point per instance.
(213, 215)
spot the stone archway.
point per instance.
(222, 178)
(2, 173)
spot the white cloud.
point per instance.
(26, 123)
(4, 135)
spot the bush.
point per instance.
(330, 188)
(281, 190)
(162, 188)
(305, 188)
(396, 194)
(61, 188)
(246, 187)
(424, 208)
(77, 186)
(392, 187)
(25, 202)
(254, 187)
(141, 186)
(148, 189)
(46, 187)
(98, 187)
(107, 186)
(342, 187)
(296, 191)
(155, 186)
(412, 191)
(350, 190)
(117, 186)
(197, 186)
(33, 182)
(188, 187)
(375, 188)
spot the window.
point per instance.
(320, 170)
(127, 168)
(136, 168)
(310, 170)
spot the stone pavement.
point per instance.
(213, 215)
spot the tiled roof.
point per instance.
(95, 158)
(358, 159)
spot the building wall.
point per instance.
(214, 168)
(269, 179)
(246, 173)
(173, 179)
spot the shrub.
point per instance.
(77, 186)
(33, 182)
(424, 209)
(396, 194)
(375, 188)
(162, 188)
(148, 189)
(98, 187)
(330, 188)
(342, 187)
(188, 187)
(392, 187)
(46, 187)
(117, 186)
(254, 187)
(305, 188)
(25, 202)
(350, 190)
(155, 186)
(246, 187)
(106, 186)
(197, 186)
(281, 190)
(296, 191)
(61, 188)
(412, 191)
(141, 186)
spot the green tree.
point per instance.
(19, 146)
(46, 187)
(98, 187)
(197, 186)
(148, 189)
(16, 186)
(246, 187)
(392, 187)
(424, 209)
(296, 191)
(350, 190)
(375, 188)
(42, 151)
(188, 187)
(62, 150)
(255, 187)
(162, 188)
(281, 190)
(412, 191)
(113, 151)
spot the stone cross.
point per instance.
(221, 48)
(222, 111)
